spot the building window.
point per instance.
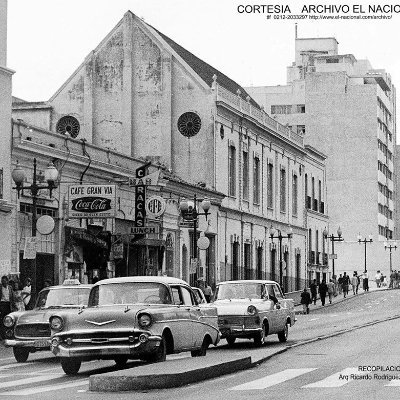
(281, 109)
(301, 129)
(245, 175)
(270, 184)
(232, 171)
(247, 262)
(301, 108)
(319, 195)
(256, 181)
(294, 195)
(283, 190)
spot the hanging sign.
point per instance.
(140, 197)
(146, 180)
(30, 248)
(155, 206)
(93, 201)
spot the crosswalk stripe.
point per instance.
(26, 392)
(273, 379)
(27, 381)
(395, 382)
(336, 380)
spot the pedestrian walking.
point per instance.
(313, 290)
(378, 279)
(323, 290)
(397, 280)
(354, 283)
(331, 290)
(6, 299)
(305, 300)
(383, 280)
(207, 292)
(345, 284)
(365, 278)
(340, 284)
(26, 294)
(18, 302)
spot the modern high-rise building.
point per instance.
(347, 110)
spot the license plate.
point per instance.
(41, 343)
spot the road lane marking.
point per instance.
(27, 392)
(27, 381)
(273, 379)
(336, 380)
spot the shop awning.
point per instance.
(148, 242)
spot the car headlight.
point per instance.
(251, 310)
(8, 321)
(56, 323)
(145, 320)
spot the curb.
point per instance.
(177, 375)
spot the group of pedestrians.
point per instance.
(333, 288)
(394, 280)
(13, 297)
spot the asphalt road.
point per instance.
(287, 375)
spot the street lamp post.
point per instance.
(365, 241)
(333, 239)
(390, 247)
(279, 236)
(189, 212)
(18, 176)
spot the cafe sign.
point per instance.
(91, 201)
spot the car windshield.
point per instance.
(63, 297)
(251, 290)
(129, 293)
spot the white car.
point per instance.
(142, 317)
(253, 309)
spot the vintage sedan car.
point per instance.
(29, 331)
(143, 317)
(253, 309)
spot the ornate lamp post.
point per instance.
(279, 236)
(18, 175)
(390, 247)
(365, 241)
(333, 239)
(189, 212)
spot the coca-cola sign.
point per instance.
(91, 201)
(91, 204)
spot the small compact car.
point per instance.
(29, 331)
(253, 309)
(142, 317)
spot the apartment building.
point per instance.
(346, 109)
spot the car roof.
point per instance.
(157, 279)
(249, 281)
(81, 286)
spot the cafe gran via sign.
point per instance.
(91, 201)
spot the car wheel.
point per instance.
(231, 340)
(203, 349)
(121, 361)
(283, 335)
(20, 354)
(259, 338)
(161, 352)
(70, 366)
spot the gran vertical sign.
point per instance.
(140, 197)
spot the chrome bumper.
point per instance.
(96, 350)
(26, 343)
(238, 331)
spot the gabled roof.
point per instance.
(206, 71)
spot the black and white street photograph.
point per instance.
(199, 199)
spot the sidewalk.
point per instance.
(183, 371)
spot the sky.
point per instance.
(49, 39)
